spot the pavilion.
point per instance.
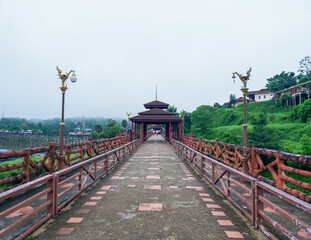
(156, 115)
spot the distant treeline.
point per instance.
(17, 141)
(49, 126)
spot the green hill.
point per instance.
(269, 125)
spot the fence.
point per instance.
(27, 169)
(16, 141)
(273, 211)
(281, 166)
(24, 208)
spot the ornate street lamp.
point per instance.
(63, 88)
(128, 118)
(244, 90)
(183, 126)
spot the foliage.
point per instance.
(303, 79)
(187, 121)
(202, 119)
(172, 109)
(301, 112)
(232, 101)
(305, 66)
(111, 129)
(98, 128)
(306, 144)
(49, 126)
(285, 99)
(262, 136)
(217, 105)
(124, 123)
(281, 81)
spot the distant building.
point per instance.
(298, 93)
(260, 95)
(240, 100)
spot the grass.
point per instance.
(225, 125)
(15, 172)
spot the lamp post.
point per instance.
(63, 88)
(129, 128)
(244, 90)
(183, 126)
(128, 118)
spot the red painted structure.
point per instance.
(156, 115)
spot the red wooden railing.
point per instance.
(74, 153)
(275, 212)
(24, 208)
(277, 163)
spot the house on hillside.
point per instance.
(240, 100)
(298, 93)
(260, 95)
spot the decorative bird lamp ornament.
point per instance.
(244, 79)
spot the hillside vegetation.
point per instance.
(269, 125)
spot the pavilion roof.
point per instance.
(156, 118)
(156, 104)
(155, 111)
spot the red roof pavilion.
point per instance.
(156, 115)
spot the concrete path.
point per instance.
(152, 195)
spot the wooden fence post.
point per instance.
(258, 206)
(51, 162)
(26, 166)
(202, 166)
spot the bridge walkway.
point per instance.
(152, 195)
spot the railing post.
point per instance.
(202, 166)
(26, 166)
(228, 184)
(95, 169)
(51, 162)
(53, 195)
(213, 173)
(89, 148)
(258, 206)
(67, 158)
(80, 179)
(253, 201)
(106, 163)
(81, 153)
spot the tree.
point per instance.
(124, 123)
(172, 109)
(232, 100)
(202, 119)
(187, 121)
(98, 128)
(217, 105)
(111, 129)
(305, 66)
(261, 136)
(285, 99)
(281, 81)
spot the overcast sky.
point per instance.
(121, 49)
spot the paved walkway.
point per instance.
(153, 195)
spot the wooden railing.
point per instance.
(275, 212)
(277, 163)
(24, 208)
(28, 169)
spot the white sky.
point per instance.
(121, 49)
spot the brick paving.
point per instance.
(152, 195)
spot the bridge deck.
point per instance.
(153, 195)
